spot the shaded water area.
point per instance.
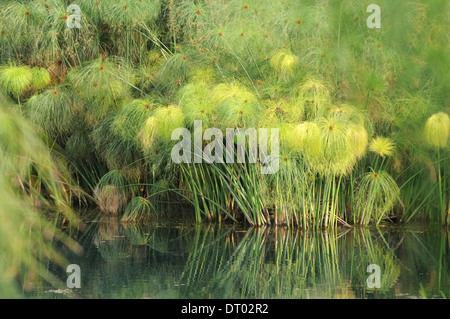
(184, 260)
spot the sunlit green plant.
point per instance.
(285, 63)
(382, 146)
(376, 195)
(15, 80)
(437, 131)
(129, 119)
(197, 104)
(161, 125)
(41, 77)
(337, 154)
(359, 140)
(281, 112)
(237, 106)
(137, 210)
(316, 96)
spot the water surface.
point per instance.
(184, 260)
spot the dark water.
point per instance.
(190, 261)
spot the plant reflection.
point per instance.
(204, 261)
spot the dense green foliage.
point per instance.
(362, 113)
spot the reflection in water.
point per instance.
(191, 261)
(288, 264)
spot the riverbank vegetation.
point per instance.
(88, 113)
(363, 113)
